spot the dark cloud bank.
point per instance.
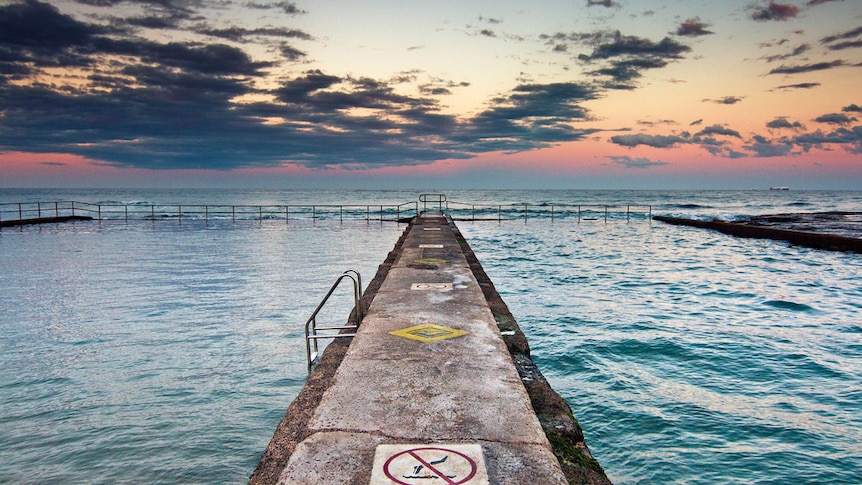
(173, 105)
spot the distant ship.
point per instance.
(779, 188)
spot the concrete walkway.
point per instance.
(427, 392)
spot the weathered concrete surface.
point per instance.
(43, 220)
(462, 390)
(391, 389)
(756, 229)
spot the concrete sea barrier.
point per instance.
(817, 240)
(43, 220)
(437, 386)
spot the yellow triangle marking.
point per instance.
(429, 332)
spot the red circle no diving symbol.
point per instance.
(429, 465)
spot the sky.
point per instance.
(580, 94)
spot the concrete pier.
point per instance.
(437, 387)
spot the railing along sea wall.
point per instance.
(459, 211)
(468, 211)
(127, 212)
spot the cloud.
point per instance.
(783, 123)
(38, 33)
(642, 163)
(238, 34)
(818, 66)
(627, 70)
(812, 3)
(853, 108)
(656, 123)
(773, 11)
(626, 56)
(290, 53)
(840, 136)
(532, 116)
(42, 37)
(656, 141)
(172, 105)
(693, 27)
(114, 91)
(831, 44)
(289, 8)
(764, 148)
(797, 51)
(724, 100)
(798, 86)
(842, 35)
(850, 44)
(629, 45)
(717, 130)
(835, 119)
(181, 115)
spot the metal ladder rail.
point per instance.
(311, 328)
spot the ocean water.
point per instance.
(167, 351)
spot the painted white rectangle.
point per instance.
(431, 246)
(462, 464)
(431, 228)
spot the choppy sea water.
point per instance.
(165, 352)
(691, 356)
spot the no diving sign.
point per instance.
(429, 465)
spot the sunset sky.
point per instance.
(449, 94)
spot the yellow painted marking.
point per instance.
(429, 261)
(429, 332)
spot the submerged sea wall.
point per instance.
(564, 434)
(43, 220)
(815, 240)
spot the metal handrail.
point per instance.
(439, 199)
(311, 328)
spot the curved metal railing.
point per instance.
(311, 328)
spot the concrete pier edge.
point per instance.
(293, 427)
(555, 416)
